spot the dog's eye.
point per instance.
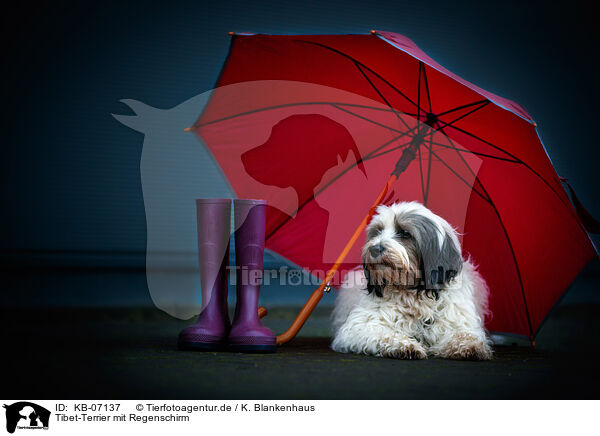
(374, 231)
(403, 234)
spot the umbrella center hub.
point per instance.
(431, 119)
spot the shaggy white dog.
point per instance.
(416, 296)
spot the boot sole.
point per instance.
(253, 348)
(201, 346)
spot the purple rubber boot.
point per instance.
(211, 329)
(247, 332)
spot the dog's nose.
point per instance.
(376, 250)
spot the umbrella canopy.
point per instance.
(316, 125)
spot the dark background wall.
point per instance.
(70, 185)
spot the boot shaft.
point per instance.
(250, 220)
(213, 223)
(247, 332)
(212, 327)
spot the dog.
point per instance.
(415, 297)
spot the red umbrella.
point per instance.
(319, 124)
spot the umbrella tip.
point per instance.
(373, 32)
(231, 33)
(534, 124)
(187, 129)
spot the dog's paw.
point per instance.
(464, 346)
(403, 349)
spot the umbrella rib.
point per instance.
(468, 113)
(450, 124)
(368, 155)
(362, 159)
(400, 133)
(360, 63)
(428, 170)
(421, 171)
(430, 148)
(380, 94)
(441, 129)
(482, 140)
(477, 153)
(460, 177)
(382, 109)
(514, 157)
(374, 122)
(419, 92)
(312, 103)
(386, 151)
(464, 106)
(491, 202)
(427, 87)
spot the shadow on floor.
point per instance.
(131, 354)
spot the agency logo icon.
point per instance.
(26, 415)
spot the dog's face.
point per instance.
(408, 246)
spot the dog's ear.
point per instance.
(441, 258)
(372, 286)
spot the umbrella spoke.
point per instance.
(456, 149)
(464, 106)
(386, 151)
(514, 257)
(375, 122)
(380, 94)
(484, 104)
(419, 92)
(476, 153)
(282, 106)
(450, 124)
(472, 187)
(464, 161)
(330, 182)
(381, 109)
(430, 148)
(355, 61)
(427, 87)
(481, 140)
(517, 160)
(421, 172)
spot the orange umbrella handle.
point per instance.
(316, 296)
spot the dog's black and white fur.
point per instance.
(415, 296)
